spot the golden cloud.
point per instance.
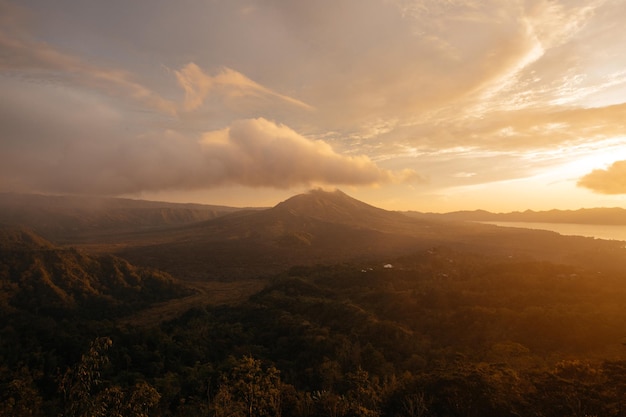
(251, 152)
(611, 180)
(227, 82)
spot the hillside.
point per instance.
(37, 277)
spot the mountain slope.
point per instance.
(338, 207)
(316, 227)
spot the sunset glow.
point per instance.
(405, 104)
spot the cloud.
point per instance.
(228, 83)
(20, 54)
(414, 62)
(606, 181)
(95, 158)
(45, 62)
(426, 61)
(400, 81)
(524, 129)
(258, 152)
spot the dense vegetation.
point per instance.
(442, 333)
(39, 278)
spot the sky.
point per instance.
(427, 105)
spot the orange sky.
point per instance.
(406, 104)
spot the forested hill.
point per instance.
(609, 216)
(38, 277)
(440, 333)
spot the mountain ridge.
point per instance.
(60, 217)
(599, 216)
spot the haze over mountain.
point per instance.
(67, 217)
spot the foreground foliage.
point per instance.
(442, 333)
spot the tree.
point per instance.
(19, 397)
(363, 395)
(86, 394)
(330, 404)
(80, 384)
(249, 391)
(415, 405)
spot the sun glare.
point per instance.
(586, 159)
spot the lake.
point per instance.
(600, 231)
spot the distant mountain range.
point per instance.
(322, 227)
(196, 242)
(62, 217)
(608, 216)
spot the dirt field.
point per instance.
(211, 292)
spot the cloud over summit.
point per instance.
(251, 152)
(111, 97)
